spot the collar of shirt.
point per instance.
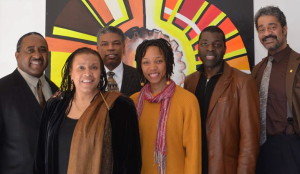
(202, 71)
(285, 53)
(118, 74)
(32, 83)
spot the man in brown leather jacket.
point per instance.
(280, 150)
(229, 107)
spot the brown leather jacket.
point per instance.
(232, 124)
(292, 85)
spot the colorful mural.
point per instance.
(71, 24)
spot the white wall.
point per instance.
(18, 17)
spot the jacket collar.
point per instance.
(220, 87)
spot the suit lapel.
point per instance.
(26, 95)
(127, 80)
(256, 70)
(293, 65)
(220, 87)
(53, 87)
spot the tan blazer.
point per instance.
(232, 124)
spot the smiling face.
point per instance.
(111, 49)
(153, 65)
(211, 49)
(85, 73)
(32, 56)
(271, 34)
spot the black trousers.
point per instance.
(279, 155)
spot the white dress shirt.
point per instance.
(32, 83)
(118, 74)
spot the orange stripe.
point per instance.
(60, 45)
(240, 63)
(227, 26)
(102, 9)
(137, 14)
(170, 4)
(234, 44)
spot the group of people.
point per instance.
(108, 117)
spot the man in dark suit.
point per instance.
(21, 105)
(278, 78)
(111, 46)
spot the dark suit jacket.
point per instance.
(292, 84)
(20, 115)
(130, 81)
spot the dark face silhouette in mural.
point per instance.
(111, 49)
(211, 50)
(271, 34)
(32, 56)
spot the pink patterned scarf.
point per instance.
(164, 98)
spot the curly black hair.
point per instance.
(166, 49)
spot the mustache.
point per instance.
(37, 59)
(269, 36)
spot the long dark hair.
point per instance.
(66, 83)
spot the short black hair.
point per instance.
(66, 82)
(166, 49)
(270, 11)
(213, 29)
(110, 29)
(25, 35)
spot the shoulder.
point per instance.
(52, 85)
(240, 74)
(294, 55)
(130, 71)
(193, 76)
(242, 80)
(257, 66)
(135, 96)
(183, 95)
(9, 82)
(129, 68)
(191, 81)
(124, 100)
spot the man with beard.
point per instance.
(229, 106)
(111, 47)
(278, 78)
(23, 94)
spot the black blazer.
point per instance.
(130, 81)
(20, 115)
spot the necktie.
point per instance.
(112, 84)
(40, 94)
(263, 93)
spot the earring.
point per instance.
(72, 85)
(143, 81)
(168, 82)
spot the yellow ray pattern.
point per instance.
(73, 34)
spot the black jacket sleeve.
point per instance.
(125, 137)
